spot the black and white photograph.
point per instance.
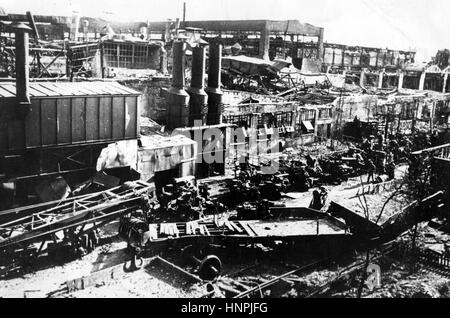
(224, 153)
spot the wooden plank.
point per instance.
(78, 119)
(118, 115)
(202, 230)
(73, 88)
(84, 90)
(3, 134)
(229, 226)
(88, 87)
(15, 134)
(10, 88)
(92, 118)
(61, 89)
(6, 93)
(205, 228)
(188, 228)
(105, 112)
(35, 93)
(247, 229)
(99, 89)
(126, 90)
(109, 88)
(64, 127)
(33, 124)
(131, 117)
(175, 230)
(46, 89)
(45, 92)
(234, 225)
(153, 229)
(48, 121)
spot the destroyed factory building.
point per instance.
(217, 152)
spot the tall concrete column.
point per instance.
(167, 32)
(163, 60)
(22, 65)
(74, 27)
(320, 48)
(401, 76)
(362, 77)
(178, 99)
(198, 97)
(214, 80)
(264, 42)
(380, 79)
(444, 87)
(422, 81)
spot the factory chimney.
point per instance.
(22, 69)
(198, 107)
(178, 99)
(213, 90)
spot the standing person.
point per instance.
(323, 196)
(370, 170)
(390, 169)
(315, 202)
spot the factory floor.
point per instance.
(46, 279)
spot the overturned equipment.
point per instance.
(71, 223)
(287, 226)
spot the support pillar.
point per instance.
(178, 99)
(362, 77)
(320, 49)
(213, 90)
(422, 81)
(22, 65)
(163, 60)
(380, 79)
(264, 42)
(198, 108)
(444, 87)
(401, 77)
(74, 27)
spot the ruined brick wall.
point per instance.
(362, 106)
(235, 97)
(152, 102)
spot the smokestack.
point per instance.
(74, 27)
(213, 89)
(85, 30)
(22, 69)
(198, 108)
(178, 112)
(167, 31)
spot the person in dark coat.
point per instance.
(371, 168)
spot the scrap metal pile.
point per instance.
(285, 226)
(67, 225)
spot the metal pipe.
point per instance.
(198, 97)
(213, 90)
(215, 65)
(178, 63)
(178, 99)
(22, 69)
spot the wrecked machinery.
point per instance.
(68, 225)
(285, 227)
(336, 231)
